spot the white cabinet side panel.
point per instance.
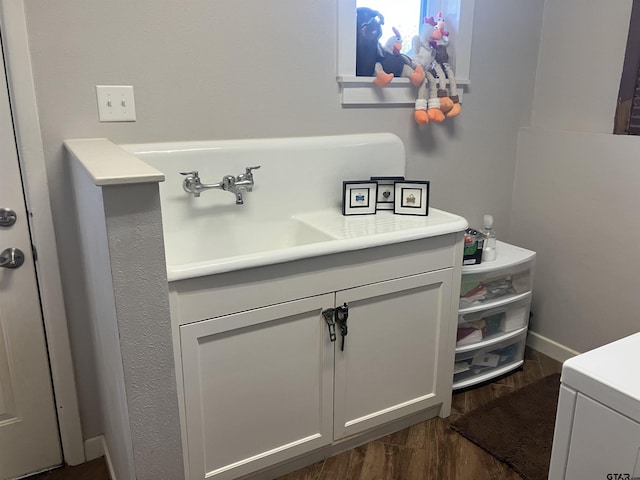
(603, 442)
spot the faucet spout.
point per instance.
(236, 185)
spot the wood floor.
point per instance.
(428, 450)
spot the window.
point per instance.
(406, 15)
(403, 15)
(627, 119)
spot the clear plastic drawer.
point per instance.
(485, 287)
(478, 365)
(484, 325)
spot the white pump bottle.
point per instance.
(489, 249)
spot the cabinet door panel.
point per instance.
(258, 387)
(396, 344)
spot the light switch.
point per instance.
(116, 103)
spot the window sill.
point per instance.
(400, 92)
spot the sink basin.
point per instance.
(242, 242)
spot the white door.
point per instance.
(29, 439)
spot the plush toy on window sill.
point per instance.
(434, 88)
(368, 33)
(395, 64)
(428, 110)
(439, 40)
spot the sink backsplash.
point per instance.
(297, 175)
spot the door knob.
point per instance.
(7, 217)
(11, 258)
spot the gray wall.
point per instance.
(228, 69)
(575, 192)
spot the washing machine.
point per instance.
(597, 431)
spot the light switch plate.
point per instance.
(116, 103)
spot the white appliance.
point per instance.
(597, 432)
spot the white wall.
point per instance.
(576, 205)
(581, 53)
(228, 69)
(575, 194)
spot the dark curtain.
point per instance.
(627, 120)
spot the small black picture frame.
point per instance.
(359, 197)
(411, 197)
(386, 192)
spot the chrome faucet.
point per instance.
(236, 185)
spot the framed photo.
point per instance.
(359, 198)
(386, 192)
(411, 198)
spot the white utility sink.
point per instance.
(294, 210)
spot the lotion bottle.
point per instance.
(489, 248)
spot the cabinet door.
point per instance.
(396, 356)
(258, 387)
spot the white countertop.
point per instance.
(507, 255)
(609, 374)
(383, 227)
(108, 164)
(347, 233)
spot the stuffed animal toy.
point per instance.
(368, 50)
(423, 55)
(428, 110)
(437, 105)
(439, 40)
(420, 115)
(395, 64)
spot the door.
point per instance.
(258, 387)
(29, 439)
(394, 351)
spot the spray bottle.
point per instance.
(489, 248)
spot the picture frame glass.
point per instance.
(359, 198)
(386, 192)
(411, 198)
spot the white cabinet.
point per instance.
(597, 431)
(267, 384)
(259, 385)
(493, 318)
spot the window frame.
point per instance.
(361, 90)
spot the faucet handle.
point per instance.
(248, 169)
(190, 174)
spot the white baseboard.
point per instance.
(96, 447)
(549, 347)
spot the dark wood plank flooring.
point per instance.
(428, 450)
(93, 470)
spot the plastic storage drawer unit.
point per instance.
(493, 318)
